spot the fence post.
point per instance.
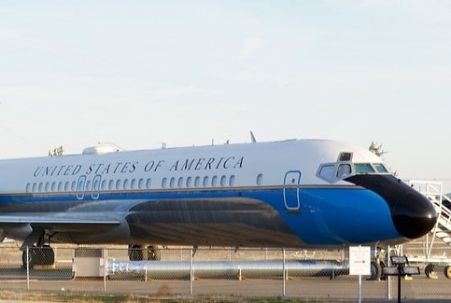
(27, 254)
(388, 277)
(191, 277)
(283, 273)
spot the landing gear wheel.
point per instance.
(447, 271)
(38, 256)
(153, 253)
(376, 271)
(429, 270)
(135, 252)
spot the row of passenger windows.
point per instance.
(127, 184)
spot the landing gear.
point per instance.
(377, 265)
(38, 252)
(140, 253)
(447, 271)
(43, 255)
(430, 272)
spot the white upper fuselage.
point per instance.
(234, 165)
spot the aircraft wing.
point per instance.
(59, 221)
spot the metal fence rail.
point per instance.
(205, 271)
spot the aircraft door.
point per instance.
(291, 190)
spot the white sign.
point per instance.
(359, 260)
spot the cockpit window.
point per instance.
(344, 170)
(327, 172)
(363, 168)
(380, 168)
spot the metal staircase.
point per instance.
(442, 230)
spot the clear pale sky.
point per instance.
(139, 73)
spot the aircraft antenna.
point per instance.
(253, 140)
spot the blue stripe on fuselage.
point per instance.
(327, 216)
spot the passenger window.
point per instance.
(197, 181)
(33, 188)
(118, 184)
(27, 188)
(172, 182)
(344, 170)
(47, 186)
(223, 181)
(180, 182)
(259, 179)
(60, 186)
(141, 183)
(232, 180)
(88, 185)
(205, 182)
(111, 184)
(74, 184)
(103, 184)
(214, 180)
(188, 181)
(66, 186)
(163, 182)
(133, 184)
(53, 186)
(125, 186)
(149, 183)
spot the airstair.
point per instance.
(442, 230)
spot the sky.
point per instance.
(140, 73)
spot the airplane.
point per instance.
(291, 193)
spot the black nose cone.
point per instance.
(412, 213)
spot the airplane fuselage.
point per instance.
(294, 193)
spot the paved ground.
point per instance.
(308, 288)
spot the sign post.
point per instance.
(360, 264)
(401, 268)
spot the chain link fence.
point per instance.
(319, 274)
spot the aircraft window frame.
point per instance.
(189, 181)
(369, 169)
(53, 187)
(377, 167)
(197, 181)
(164, 182)
(259, 180)
(141, 183)
(341, 174)
(27, 187)
(111, 184)
(222, 182)
(133, 183)
(125, 184)
(180, 182)
(172, 182)
(214, 181)
(66, 186)
(232, 180)
(33, 187)
(118, 184)
(329, 176)
(60, 186)
(205, 181)
(47, 186)
(40, 187)
(149, 183)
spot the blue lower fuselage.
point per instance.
(326, 217)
